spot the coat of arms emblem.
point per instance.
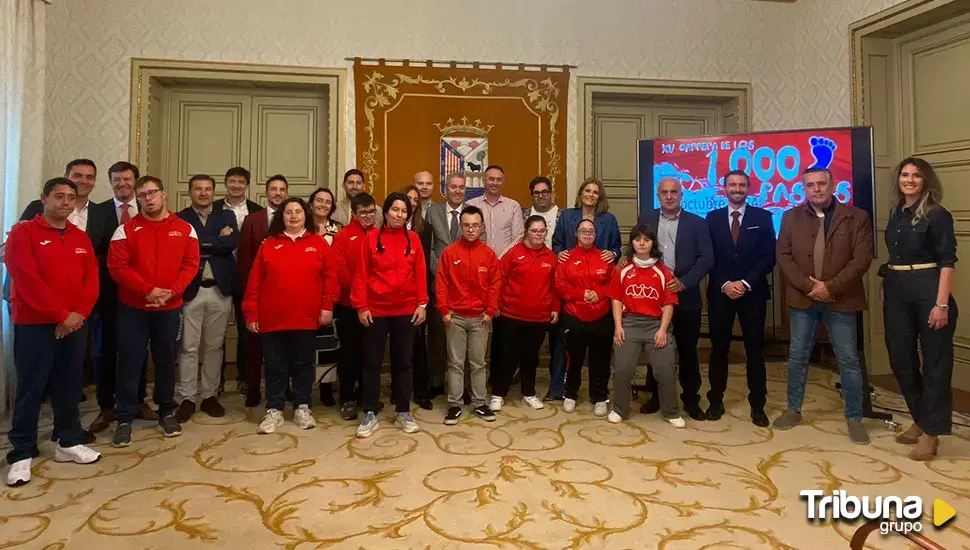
(464, 148)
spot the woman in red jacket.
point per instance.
(390, 294)
(583, 283)
(642, 310)
(529, 304)
(289, 294)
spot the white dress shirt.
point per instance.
(241, 210)
(132, 208)
(269, 213)
(741, 210)
(80, 216)
(449, 210)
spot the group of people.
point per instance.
(449, 283)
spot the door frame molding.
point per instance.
(334, 80)
(590, 87)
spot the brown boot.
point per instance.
(926, 446)
(145, 412)
(104, 419)
(910, 436)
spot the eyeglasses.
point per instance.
(587, 231)
(472, 226)
(541, 193)
(538, 231)
(363, 213)
(144, 195)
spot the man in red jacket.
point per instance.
(153, 257)
(346, 253)
(55, 286)
(466, 290)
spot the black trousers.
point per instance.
(108, 365)
(420, 378)
(289, 355)
(242, 339)
(751, 311)
(402, 332)
(350, 333)
(596, 339)
(437, 346)
(520, 350)
(687, 331)
(910, 295)
(137, 329)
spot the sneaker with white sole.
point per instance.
(614, 417)
(601, 408)
(496, 403)
(676, 422)
(78, 454)
(271, 420)
(368, 425)
(569, 405)
(19, 473)
(303, 419)
(533, 402)
(406, 422)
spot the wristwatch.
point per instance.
(944, 307)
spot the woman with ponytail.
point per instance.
(390, 294)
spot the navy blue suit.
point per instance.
(693, 258)
(752, 259)
(214, 248)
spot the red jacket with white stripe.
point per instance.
(290, 283)
(643, 290)
(584, 270)
(528, 284)
(391, 282)
(346, 253)
(53, 273)
(146, 254)
(468, 280)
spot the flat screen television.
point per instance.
(773, 160)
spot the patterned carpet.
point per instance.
(532, 480)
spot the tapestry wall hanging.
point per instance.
(423, 115)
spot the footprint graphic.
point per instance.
(823, 149)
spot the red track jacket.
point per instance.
(528, 284)
(347, 244)
(468, 280)
(390, 283)
(584, 270)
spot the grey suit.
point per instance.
(438, 218)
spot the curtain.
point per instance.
(21, 136)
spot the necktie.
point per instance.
(125, 215)
(735, 226)
(454, 226)
(818, 253)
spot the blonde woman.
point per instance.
(917, 304)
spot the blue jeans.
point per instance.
(841, 328)
(38, 358)
(557, 362)
(139, 329)
(289, 355)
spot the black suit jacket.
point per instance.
(694, 255)
(214, 248)
(103, 219)
(752, 259)
(221, 205)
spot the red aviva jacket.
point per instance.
(290, 283)
(643, 290)
(528, 284)
(468, 280)
(390, 283)
(146, 254)
(347, 244)
(584, 270)
(53, 274)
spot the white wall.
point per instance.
(795, 55)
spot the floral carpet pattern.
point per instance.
(531, 480)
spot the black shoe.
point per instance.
(485, 413)
(759, 418)
(169, 426)
(715, 412)
(185, 411)
(454, 414)
(652, 405)
(435, 391)
(694, 411)
(425, 404)
(253, 398)
(326, 395)
(348, 411)
(122, 437)
(211, 407)
(466, 398)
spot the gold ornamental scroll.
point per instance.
(442, 117)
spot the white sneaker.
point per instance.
(677, 422)
(303, 419)
(496, 403)
(19, 473)
(406, 422)
(533, 402)
(614, 417)
(368, 425)
(272, 420)
(569, 405)
(79, 454)
(601, 408)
